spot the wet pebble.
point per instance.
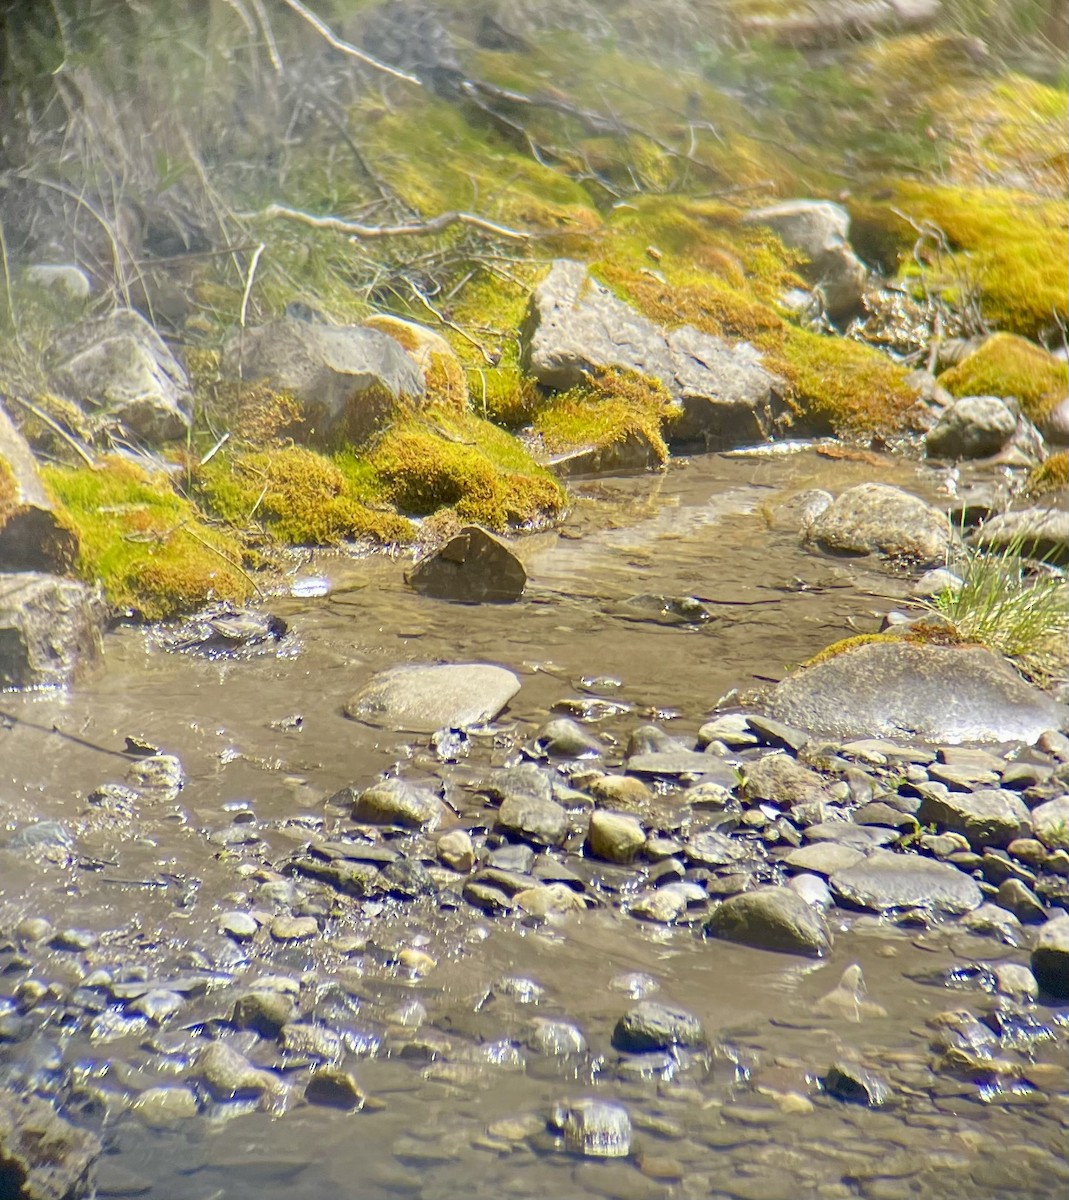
(333, 1088)
(595, 1128)
(238, 925)
(615, 837)
(163, 1107)
(294, 929)
(650, 1025)
(265, 1011)
(854, 1084)
(456, 850)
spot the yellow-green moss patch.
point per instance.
(443, 459)
(300, 497)
(1008, 249)
(613, 408)
(442, 373)
(839, 386)
(150, 549)
(1051, 475)
(1006, 365)
(845, 645)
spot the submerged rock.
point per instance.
(771, 918)
(396, 802)
(473, 566)
(42, 1156)
(884, 880)
(876, 518)
(49, 628)
(594, 1128)
(653, 1026)
(900, 689)
(422, 699)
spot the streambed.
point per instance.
(444, 1039)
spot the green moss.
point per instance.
(611, 409)
(1005, 365)
(845, 645)
(1007, 249)
(149, 548)
(297, 496)
(443, 375)
(1051, 475)
(837, 385)
(447, 460)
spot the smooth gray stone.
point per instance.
(1038, 532)
(396, 802)
(972, 427)
(898, 689)
(473, 566)
(885, 880)
(538, 821)
(422, 699)
(824, 858)
(771, 918)
(846, 833)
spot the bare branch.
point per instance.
(248, 283)
(410, 229)
(325, 31)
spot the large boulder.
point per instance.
(820, 231)
(876, 518)
(43, 1156)
(32, 538)
(49, 628)
(771, 918)
(896, 689)
(349, 381)
(120, 371)
(422, 699)
(884, 881)
(576, 327)
(972, 427)
(472, 566)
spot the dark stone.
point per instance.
(853, 1084)
(771, 918)
(473, 566)
(653, 1026)
(42, 1156)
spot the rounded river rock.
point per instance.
(422, 699)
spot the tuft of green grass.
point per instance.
(1001, 606)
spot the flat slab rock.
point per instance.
(943, 695)
(421, 699)
(883, 881)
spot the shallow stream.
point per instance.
(459, 1096)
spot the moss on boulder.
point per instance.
(1006, 365)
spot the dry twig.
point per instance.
(409, 229)
(325, 31)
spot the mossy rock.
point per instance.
(839, 386)
(298, 496)
(619, 414)
(1007, 249)
(1006, 365)
(150, 549)
(446, 460)
(1051, 475)
(442, 373)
